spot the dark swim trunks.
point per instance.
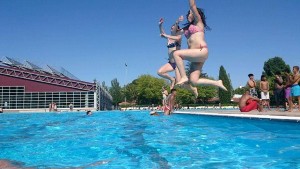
(173, 65)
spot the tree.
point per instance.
(274, 65)
(206, 93)
(131, 92)
(104, 86)
(149, 89)
(116, 92)
(224, 96)
(240, 90)
(184, 96)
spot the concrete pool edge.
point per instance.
(240, 115)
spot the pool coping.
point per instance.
(240, 115)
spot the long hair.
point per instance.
(203, 18)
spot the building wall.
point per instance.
(14, 97)
(32, 86)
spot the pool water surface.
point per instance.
(133, 139)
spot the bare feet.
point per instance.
(195, 91)
(182, 81)
(172, 83)
(220, 85)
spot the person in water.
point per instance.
(173, 43)
(197, 51)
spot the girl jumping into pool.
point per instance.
(197, 51)
(174, 43)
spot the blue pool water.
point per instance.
(137, 140)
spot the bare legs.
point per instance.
(163, 72)
(197, 58)
(290, 104)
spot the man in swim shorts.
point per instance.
(248, 103)
(295, 91)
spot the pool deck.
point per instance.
(276, 115)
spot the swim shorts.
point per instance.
(287, 92)
(251, 105)
(295, 90)
(265, 95)
(253, 92)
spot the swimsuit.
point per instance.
(191, 30)
(173, 65)
(174, 44)
(265, 95)
(287, 92)
(250, 105)
(253, 92)
(295, 90)
(167, 108)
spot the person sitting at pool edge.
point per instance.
(248, 103)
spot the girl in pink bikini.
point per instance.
(197, 51)
(174, 43)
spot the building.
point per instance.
(27, 86)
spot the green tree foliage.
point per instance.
(224, 96)
(273, 65)
(104, 86)
(184, 96)
(116, 92)
(240, 90)
(149, 89)
(130, 92)
(206, 93)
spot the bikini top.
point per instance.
(191, 30)
(174, 44)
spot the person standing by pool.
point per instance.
(287, 91)
(295, 92)
(174, 43)
(197, 51)
(279, 91)
(252, 85)
(248, 103)
(264, 88)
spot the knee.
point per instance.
(160, 72)
(194, 81)
(175, 54)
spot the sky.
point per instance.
(93, 39)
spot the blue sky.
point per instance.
(95, 38)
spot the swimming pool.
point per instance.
(136, 140)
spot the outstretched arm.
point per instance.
(161, 29)
(195, 12)
(177, 37)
